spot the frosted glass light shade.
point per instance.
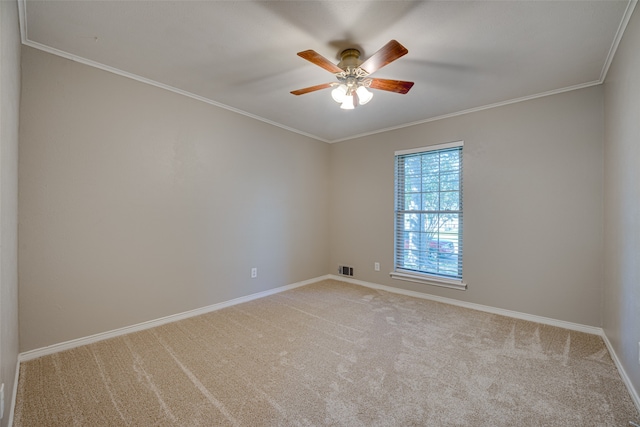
(364, 95)
(339, 93)
(347, 104)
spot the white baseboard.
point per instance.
(55, 348)
(625, 378)
(514, 314)
(15, 393)
(43, 351)
(33, 354)
(508, 313)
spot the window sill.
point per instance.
(428, 279)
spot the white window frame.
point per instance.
(412, 275)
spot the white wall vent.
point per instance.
(344, 270)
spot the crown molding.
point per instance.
(151, 82)
(616, 40)
(475, 109)
(612, 50)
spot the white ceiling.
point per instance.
(241, 55)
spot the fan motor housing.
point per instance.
(349, 58)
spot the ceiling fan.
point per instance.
(353, 74)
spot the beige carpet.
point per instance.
(334, 354)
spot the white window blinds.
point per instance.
(428, 212)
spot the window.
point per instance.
(428, 215)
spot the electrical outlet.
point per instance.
(254, 273)
(376, 266)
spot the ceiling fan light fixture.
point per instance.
(352, 88)
(364, 95)
(338, 94)
(348, 104)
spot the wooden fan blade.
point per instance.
(386, 55)
(311, 89)
(320, 61)
(397, 86)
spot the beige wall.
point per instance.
(138, 203)
(532, 205)
(9, 107)
(135, 203)
(621, 320)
